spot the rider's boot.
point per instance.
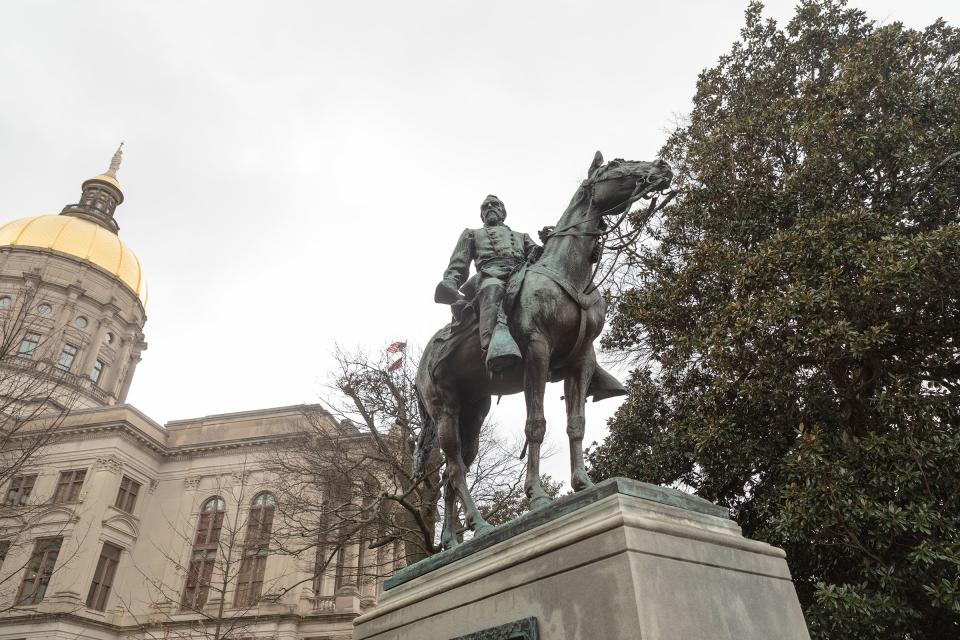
(503, 352)
(488, 303)
(500, 352)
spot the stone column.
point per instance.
(134, 359)
(61, 318)
(384, 564)
(348, 595)
(103, 324)
(116, 365)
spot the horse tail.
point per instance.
(427, 439)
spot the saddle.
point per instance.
(503, 346)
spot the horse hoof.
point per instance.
(539, 502)
(483, 530)
(580, 481)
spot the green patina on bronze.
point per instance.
(559, 507)
(543, 332)
(525, 629)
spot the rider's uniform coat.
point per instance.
(496, 250)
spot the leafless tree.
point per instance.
(37, 392)
(221, 583)
(348, 480)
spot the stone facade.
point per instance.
(78, 293)
(121, 500)
(178, 467)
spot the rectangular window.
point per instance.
(127, 496)
(103, 577)
(319, 564)
(20, 489)
(338, 580)
(204, 555)
(255, 552)
(198, 578)
(67, 357)
(68, 487)
(97, 371)
(360, 560)
(250, 577)
(39, 570)
(28, 345)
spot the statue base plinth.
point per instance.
(620, 560)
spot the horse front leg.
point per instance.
(448, 538)
(536, 371)
(575, 393)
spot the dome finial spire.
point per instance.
(100, 196)
(115, 162)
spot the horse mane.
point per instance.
(579, 196)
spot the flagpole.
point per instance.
(406, 390)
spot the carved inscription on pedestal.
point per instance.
(525, 629)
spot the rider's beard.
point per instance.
(492, 218)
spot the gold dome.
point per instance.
(79, 238)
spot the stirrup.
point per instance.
(502, 352)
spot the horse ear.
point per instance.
(596, 164)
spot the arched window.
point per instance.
(256, 547)
(204, 553)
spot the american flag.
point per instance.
(396, 365)
(397, 347)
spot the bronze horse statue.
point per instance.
(555, 317)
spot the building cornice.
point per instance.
(87, 264)
(218, 418)
(159, 449)
(186, 439)
(32, 618)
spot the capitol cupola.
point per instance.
(100, 197)
(81, 290)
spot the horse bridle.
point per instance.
(642, 188)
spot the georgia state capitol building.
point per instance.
(127, 515)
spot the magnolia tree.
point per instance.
(795, 314)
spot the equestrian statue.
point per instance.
(528, 316)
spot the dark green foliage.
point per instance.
(798, 313)
(508, 503)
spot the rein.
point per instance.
(639, 192)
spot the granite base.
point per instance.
(620, 560)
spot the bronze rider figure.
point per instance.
(496, 251)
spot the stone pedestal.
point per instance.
(621, 560)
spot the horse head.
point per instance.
(619, 183)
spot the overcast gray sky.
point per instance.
(297, 173)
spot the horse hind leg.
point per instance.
(450, 441)
(471, 421)
(575, 393)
